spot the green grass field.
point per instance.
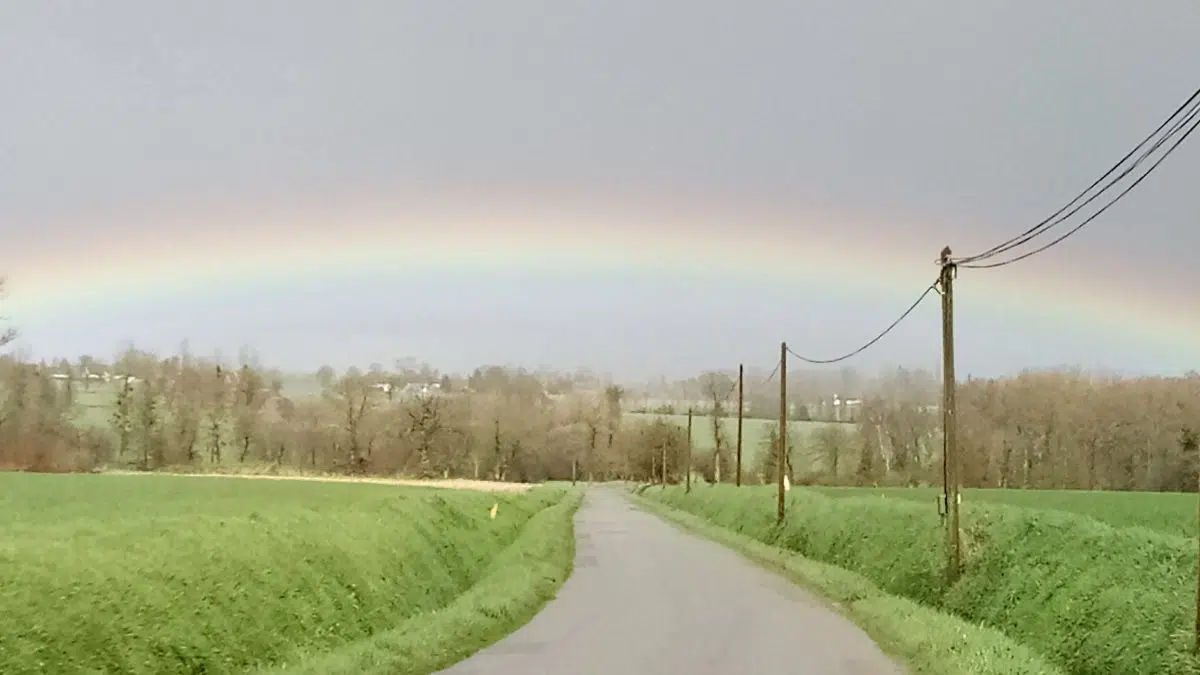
(173, 574)
(1094, 582)
(755, 432)
(94, 406)
(1169, 513)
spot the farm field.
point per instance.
(755, 432)
(1094, 582)
(278, 576)
(1167, 512)
(94, 404)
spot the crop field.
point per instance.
(1167, 512)
(755, 432)
(175, 574)
(94, 403)
(1094, 582)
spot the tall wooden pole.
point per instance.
(950, 470)
(664, 463)
(781, 510)
(689, 453)
(741, 406)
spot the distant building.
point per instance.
(414, 389)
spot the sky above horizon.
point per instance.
(151, 148)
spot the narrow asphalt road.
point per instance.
(648, 599)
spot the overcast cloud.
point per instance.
(981, 114)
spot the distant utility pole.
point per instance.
(950, 460)
(574, 469)
(783, 415)
(741, 405)
(665, 444)
(688, 489)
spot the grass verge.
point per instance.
(519, 582)
(167, 574)
(928, 641)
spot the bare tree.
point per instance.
(150, 426)
(247, 407)
(588, 415)
(326, 377)
(426, 427)
(123, 416)
(36, 432)
(286, 433)
(660, 455)
(717, 387)
(352, 394)
(831, 443)
(870, 455)
(215, 420)
(8, 334)
(613, 397)
(184, 401)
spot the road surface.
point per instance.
(648, 599)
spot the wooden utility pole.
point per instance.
(1198, 585)
(741, 405)
(574, 470)
(781, 507)
(688, 489)
(950, 459)
(665, 445)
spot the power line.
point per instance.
(1059, 216)
(1071, 207)
(774, 372)
(1194, 120)
(1192, 117)
(875, 339)
(1057, 221)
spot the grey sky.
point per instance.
(986, 113)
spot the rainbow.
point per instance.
(112, 258)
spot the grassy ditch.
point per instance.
(516, 586)
(163, 574)
(1089, 598)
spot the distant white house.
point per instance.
(120, 377)
(414, 389)
(410, 390)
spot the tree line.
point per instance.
(1054, 429)
(1066, 429)
(1061, 429)
(184, 412)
